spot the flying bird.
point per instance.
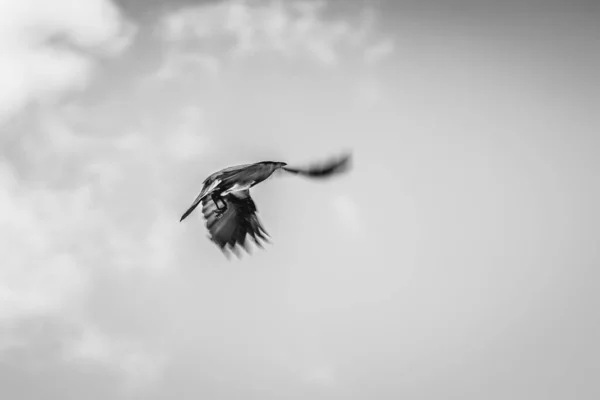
(228, 208)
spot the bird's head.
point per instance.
(276, 164)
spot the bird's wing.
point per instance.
(209, 186)
(235, 223)
(323, 170)
(235, 168)
(211, 183)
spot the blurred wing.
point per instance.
(323, 170)
(235, 223)
(208, 187)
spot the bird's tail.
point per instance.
(324, 170)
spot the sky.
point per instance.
(458, 259)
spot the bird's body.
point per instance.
(229, 210)
(233, 179)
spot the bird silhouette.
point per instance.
(228, 208)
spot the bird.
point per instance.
(228, 208)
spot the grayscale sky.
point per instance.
(457, 260)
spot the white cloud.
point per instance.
(38, 274)
(348, 213)
(140, 367)
(321, 375)
(232, 29)
(56, 241)
(369, 93)
(379, 51)
(39, 41)
(188, 140)
(129, 177)
(176, 62)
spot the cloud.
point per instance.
(62, 196)
(131, 178)
(348, 213)
(37, 275)
(321, 375)
(55, 225)
(218, 33)
(139, 366)
(46, 47)
(176, 62)
(379, 51)
(111, 219)
(369, 92)
(187, 140)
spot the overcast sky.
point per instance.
(457, 260)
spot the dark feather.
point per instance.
(239, 220)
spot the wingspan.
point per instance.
(235, 223)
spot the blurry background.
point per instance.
(458, 259)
